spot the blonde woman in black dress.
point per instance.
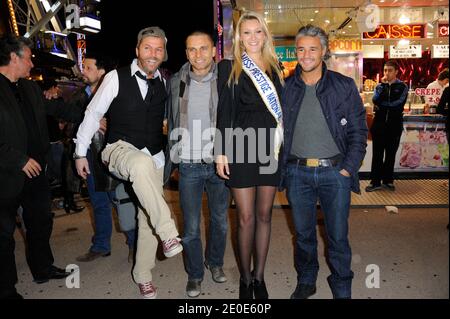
(249, 87)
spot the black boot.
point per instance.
(69, 205)
(245, 290)
(260, 290)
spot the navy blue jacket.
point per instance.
(343, 110)
(391, 96)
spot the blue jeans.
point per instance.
(194, 178)
(102, 207)
(131, 238)
(304, 186)
(55, 160)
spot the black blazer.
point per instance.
(229, 97)
(13, 135)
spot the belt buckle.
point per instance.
(312, 162)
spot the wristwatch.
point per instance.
(75, 156)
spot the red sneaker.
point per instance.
(172, 247)
(148, 291)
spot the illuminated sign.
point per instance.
(346, 45)
(80, 21)
(443, 29)
(410, 51)
(439, 51)
(397, 31)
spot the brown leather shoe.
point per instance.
(92, 255)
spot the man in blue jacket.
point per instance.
(389, 99)
(325, 137)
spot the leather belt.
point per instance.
(314, 162)
(197, 162)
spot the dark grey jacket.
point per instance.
(13, 133)
(177, 89)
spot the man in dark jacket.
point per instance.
(325, 136)
(389, 99)
(24, 146)
(100, 184)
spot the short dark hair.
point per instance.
(393, 64)
(201, 32)
(443, 75)
(102, 61)
(11, 43)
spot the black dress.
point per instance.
(247, 111)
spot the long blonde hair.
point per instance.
(269, 56)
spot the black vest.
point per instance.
(132, 120)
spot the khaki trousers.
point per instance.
(128, 163)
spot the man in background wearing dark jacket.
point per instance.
(100, 184)
(325, 137)
(24, 146)
(389, 99)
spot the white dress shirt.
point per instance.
(99, 105)
(433, 99)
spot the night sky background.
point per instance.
(121, 24)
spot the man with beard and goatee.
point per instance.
(135, 98)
